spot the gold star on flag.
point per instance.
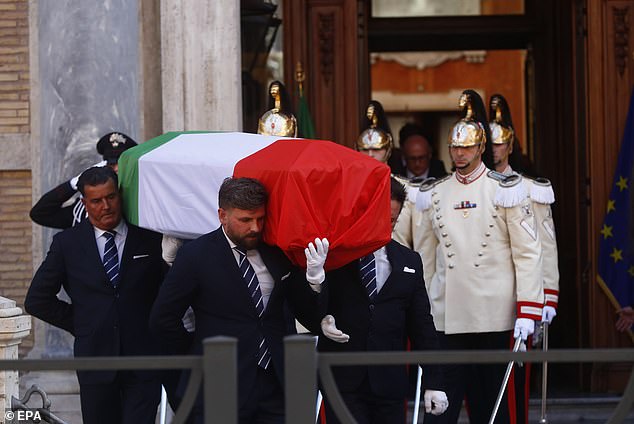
(611, 206)
(606, 231)
(622, 183)
(631, 271)
(616, 255)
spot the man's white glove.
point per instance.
(315, 259)
(331, 331)
(170, 246)
(189, 320)
(75, 179)
(548, 314)
(524, 327)
(436, 402)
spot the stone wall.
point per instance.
(15, 175)
(14, 67)
(15, 239)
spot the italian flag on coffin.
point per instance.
(316, 189)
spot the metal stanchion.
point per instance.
(543, 419)
(417, 398)
(163, 406)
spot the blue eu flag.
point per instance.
(616, 251)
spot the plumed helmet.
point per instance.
(466, 134)
(279, 119)
(500, 120)
(377, 134)
(472, 129)
(111, 145)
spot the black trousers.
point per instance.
(479, 383)
(129, 399)
(368, 408)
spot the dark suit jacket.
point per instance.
(105, 321)
(206, 276)
(399, 311)
(437, 168)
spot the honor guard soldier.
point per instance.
(506, 157)
(540, 192)
(482, 263)
(376, 141)
(408, 230)
(62, 207)
(279, 119)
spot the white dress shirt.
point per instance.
(411, 175)
(264, 276)
(121, 232)
(383, 267)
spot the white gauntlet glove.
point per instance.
(75, 179)
(331, 331)
(548, 314)
(436, 402)
(315, 259)
(524, 327)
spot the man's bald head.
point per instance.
(417, 152)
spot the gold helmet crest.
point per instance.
(501, 128)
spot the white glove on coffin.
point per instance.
(548, 314)
(315, 259)
(331, 331)
(524, 327)
(436, 402)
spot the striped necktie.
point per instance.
(111, 258)
(248, 274)
(367, 270)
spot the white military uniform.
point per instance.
(481, 252)
(406, 229)
(540, 191)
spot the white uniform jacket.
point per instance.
(481, 253)
(541, 193)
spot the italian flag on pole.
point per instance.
(316, 188)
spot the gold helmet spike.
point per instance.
(374, 137)
(278, 121)
(466, 132)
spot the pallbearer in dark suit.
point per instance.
(111, 270)
(237, 287)
(379, 302)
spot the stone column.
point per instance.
(14, 326)
(201, 65)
